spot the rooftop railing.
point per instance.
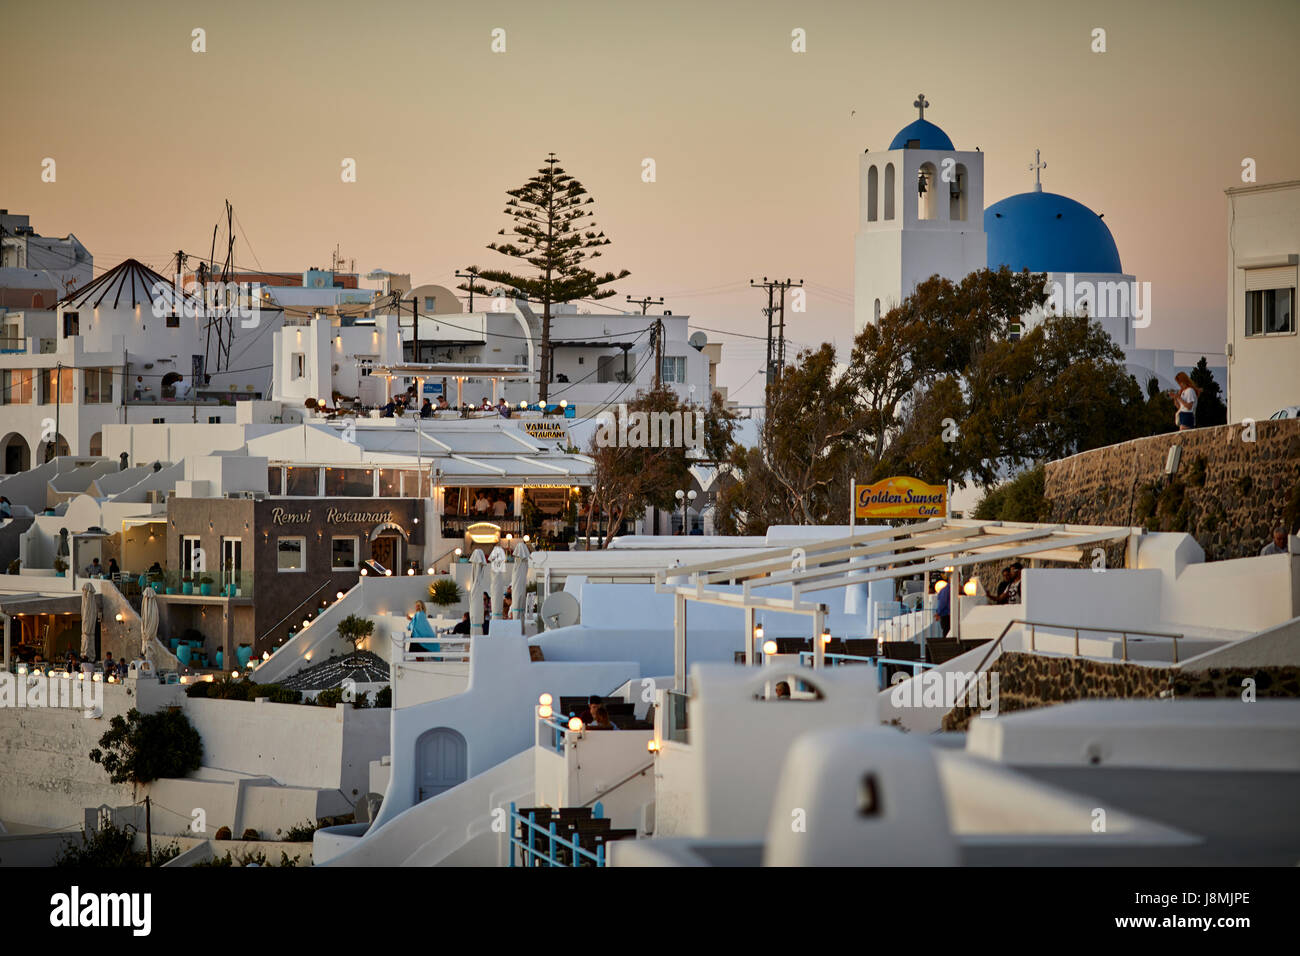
(540, 844)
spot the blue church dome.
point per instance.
(927, 135)
(1047, 232)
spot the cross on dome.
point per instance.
(1037, 166)
(921, 103)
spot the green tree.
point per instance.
(140, 747)
(1210, 409)
(1020, 499)
(553, 233)
(627, 480)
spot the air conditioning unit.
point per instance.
(257, 495)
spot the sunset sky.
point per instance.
(756, 147)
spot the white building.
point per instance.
(1263, 252)
(35, 270)
(921, 214)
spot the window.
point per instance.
(98, 388)
(17, 383)
(927, 186)
(1270, 311)
(291, 554)
(275, 480)
(873, 190)
(232, 562)
(71, 324)
(673, 368)
(889, 190)
(957, 194)
(343, 554)
(56, 386)
(173, 321)
(302, 482)
(192, 559)
(297, 365)
(349, 483)
(430, 304)
(366, 363)
(160, 421)
(214, 419)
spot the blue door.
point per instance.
(441, 760)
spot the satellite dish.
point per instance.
(698, 340)
(561, 609)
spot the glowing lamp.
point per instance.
(826, 636)
(758, 632)
(575, 724)
(339, 596)
(266, 655)
(971, 587)
(234, 675)
(388, 573)
(410, 572)
(432, 571)
(652, 746)
(939, 586)
(564, 403)
(544, 711)
(363, 572)
(546, 700)
(769, 647)
(119, 617)
(458, 552)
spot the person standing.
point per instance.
(943, 607)
(1277, 545)
(1185, 398)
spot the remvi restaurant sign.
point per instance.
(901, 497)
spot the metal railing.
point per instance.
(806, 660)
(1035, 625)
(445, 650)
(550, 840)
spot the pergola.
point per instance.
(457, 370)
(939, 545)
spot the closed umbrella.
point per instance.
(497, 584)
(519, 581)
(148, 621)
(89, 616)
(476, 564)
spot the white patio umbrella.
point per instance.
(497, 583)
(519, 581)
(148, 621)
(89, 616)
(476, 565)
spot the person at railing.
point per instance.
(487, 610)
(426, 410)
(782, 690)
(442, 403)
(600, 719)
(1277, 545)
(1002, 586)
(113, 569)
(500, 507)
(420, 627)
(587, 714)
(481, 504)
(463, 627)
(506, 601)
(942, 606)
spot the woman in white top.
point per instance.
(1185, 399)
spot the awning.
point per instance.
(389, 526)
(40, 604)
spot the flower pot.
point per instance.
(58, 574)
(220, 659)
(183, 654)
(243, 654)
(205, 589)
(187, 587)
(171, 590)
(231, 591)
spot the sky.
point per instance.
(755, 146)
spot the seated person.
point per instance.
(463, 627)
(420, 627)
(426, 410)
(600, 719)
(585, 715)
(442, 403)
(1278, 543)
(782, 690)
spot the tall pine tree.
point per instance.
(554, 233)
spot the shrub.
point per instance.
(109, 847)
(301, 833)
(140, 747)
(444, 592)
(354, 629)
(223, 834)
(251, 836)
(330, 697)
(385, 696)
(1020, 499)
(15, 566)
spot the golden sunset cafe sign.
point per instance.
(901, 497)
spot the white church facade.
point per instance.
(921, 213)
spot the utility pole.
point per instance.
(646, 302)
(415, 327)
(58, 409)
(471, 275)
(780, 358)
(658, 335)
(771, 354)
(148, 831)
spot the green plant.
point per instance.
(1020, 499)
(140, 747)
(384, 698)
(300, 833)
(205, 579)
(15, 565)
(355, 629)
(251, 836)
(445, 592)
(60, 566)
(110, 847)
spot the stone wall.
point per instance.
(1026, 681)
(1228, 492)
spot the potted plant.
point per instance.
(187, 585)
(60, 566)
(354, 629)
(445, 592)
(15, 566)
(205, 585)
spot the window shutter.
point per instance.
(1281, 277)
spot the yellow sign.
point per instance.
(546, 431)
(902, 497)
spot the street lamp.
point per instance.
(684, 497)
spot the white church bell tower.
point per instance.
(921, 212)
